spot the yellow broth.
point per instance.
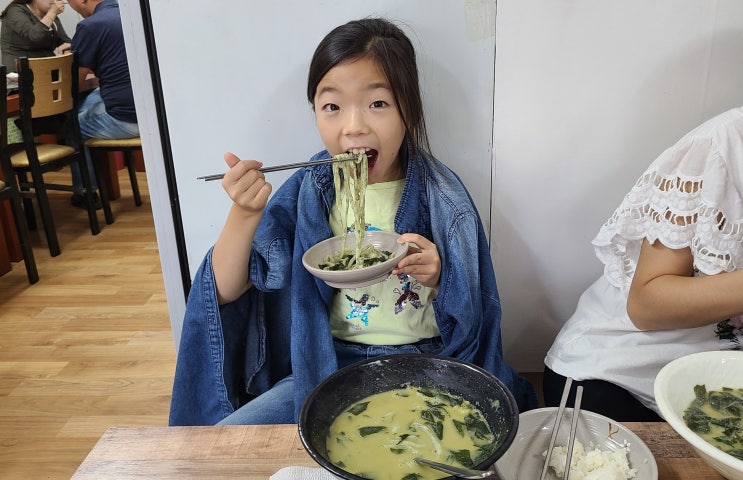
(379, 436)
(717, 417)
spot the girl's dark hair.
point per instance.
(14, 2)
(385, 43)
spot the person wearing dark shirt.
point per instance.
(31, 28)
(107, 111)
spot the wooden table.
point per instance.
(256, 452)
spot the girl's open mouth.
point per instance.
(371, 156)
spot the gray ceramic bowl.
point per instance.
(356, 382)
(359, 277)
(524, 460)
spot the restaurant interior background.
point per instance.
(548, 109)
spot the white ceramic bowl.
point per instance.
(674, 391)
(360, 277)
(524, 459)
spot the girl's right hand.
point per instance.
(245, 184)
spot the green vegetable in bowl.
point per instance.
(380, 435)
(717, 417)
(351, 259)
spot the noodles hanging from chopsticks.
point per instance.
(352, 194)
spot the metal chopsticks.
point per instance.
(573, 427)
(556, 426)
(277, 168)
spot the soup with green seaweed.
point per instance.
(379, 436)
(717, 417)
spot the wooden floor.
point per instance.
(89, 346)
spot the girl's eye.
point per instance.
(378, 104)
(330, 107)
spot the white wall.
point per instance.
(587, 94)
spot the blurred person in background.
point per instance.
(31, 28)
(108, 110)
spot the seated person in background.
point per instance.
(31, 28)
(672, 282)
(363, 87)
(107, 111)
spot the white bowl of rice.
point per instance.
(603, 450)
(674, 392)
(356, 277)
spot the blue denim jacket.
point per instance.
(230, 354)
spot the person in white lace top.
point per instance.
(673, 277)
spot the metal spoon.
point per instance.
(457, 471)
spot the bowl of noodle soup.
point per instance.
(355, 277)
(402, 398)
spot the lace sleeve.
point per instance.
(688, 197)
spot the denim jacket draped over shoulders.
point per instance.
(228, 354)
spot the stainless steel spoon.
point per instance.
(457, 471)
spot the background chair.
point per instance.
(99, 149)
(9, 191)
(48, 91)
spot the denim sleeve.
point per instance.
(468, 308)
(199, 393)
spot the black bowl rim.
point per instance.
(323, 462)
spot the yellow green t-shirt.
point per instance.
(395, 311)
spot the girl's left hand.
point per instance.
(422, 261)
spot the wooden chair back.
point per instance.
(48, 100)
(53, 82)
(9, 191)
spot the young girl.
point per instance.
(673, 276)
(252, 287)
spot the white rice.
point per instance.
(595, 464)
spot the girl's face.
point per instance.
(355, 110)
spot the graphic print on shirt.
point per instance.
(360, 308)
(730, 333)
(406, 291)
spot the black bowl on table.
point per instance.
(368, 377)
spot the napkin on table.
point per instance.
(302, 473)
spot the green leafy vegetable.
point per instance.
(463, 457)
(716, 416)
(358, 408)
(364, 431)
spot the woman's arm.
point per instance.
(28, 28)
(50, 16)
(664, 295)
(249, 191)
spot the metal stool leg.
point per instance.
(129, 157)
